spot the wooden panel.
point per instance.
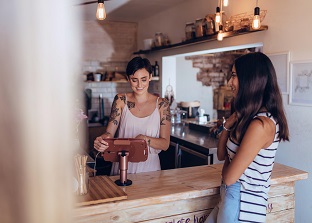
(101, 189)
(281, 203)
(156, 211)
(195, 217)
(285, 216)
(282, 189)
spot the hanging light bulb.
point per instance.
(218, 15)
(256, 19)
(220, 33)
(225, 3)
(100, 11)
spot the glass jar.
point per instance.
(159, 38)
(189, 31)
(228, 26)
(209, 26)
(199, 32)
(245, 24)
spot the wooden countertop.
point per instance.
(177, 184)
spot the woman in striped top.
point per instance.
(249, 141)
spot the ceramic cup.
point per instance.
(97, 77)
(148, 44)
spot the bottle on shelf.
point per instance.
(156, 69)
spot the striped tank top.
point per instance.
(255, 181)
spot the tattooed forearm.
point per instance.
(114, 112)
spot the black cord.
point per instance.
(94, 167)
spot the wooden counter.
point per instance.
(186, 193)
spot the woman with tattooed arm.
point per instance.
(139, 114)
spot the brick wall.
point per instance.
(108, 46)
(109, 41)
(214, 68)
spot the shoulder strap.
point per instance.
(266, 114)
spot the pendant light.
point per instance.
(256, 19)
(225, 3)
(100, 11)
(219, 20)
(218, 15)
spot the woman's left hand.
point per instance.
(140, 136)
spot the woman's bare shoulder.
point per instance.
(265, 122)
(163, 102)
(120, 99)
(263, 126)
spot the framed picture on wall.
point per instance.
(300, 83)
(281, 64)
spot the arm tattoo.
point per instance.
(130, 104)
(123, 98)
(166, 111)
(162, 121)
(114, 112)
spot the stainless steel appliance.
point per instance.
(188, 157)
(190, 107)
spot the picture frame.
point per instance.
(280, 62)
(301, 83)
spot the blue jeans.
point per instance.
(227, 210)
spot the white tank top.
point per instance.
(131, 126)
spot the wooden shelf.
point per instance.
(202, 39)
(118, 81)
(155, 78)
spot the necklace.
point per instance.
(142, 104)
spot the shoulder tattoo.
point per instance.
(130, 105)
(123, 98)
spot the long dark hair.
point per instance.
(257, 88)
(138, 63)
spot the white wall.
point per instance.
(286, 21)
(193, 90)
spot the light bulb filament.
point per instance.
(256, 19)
(220, 33)
(100, 12)
(218, 15)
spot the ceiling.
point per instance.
(127, 10)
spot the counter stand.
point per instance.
(123, 167)
(124, 150)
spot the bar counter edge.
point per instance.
(187, 195)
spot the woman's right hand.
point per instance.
(100, 145)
